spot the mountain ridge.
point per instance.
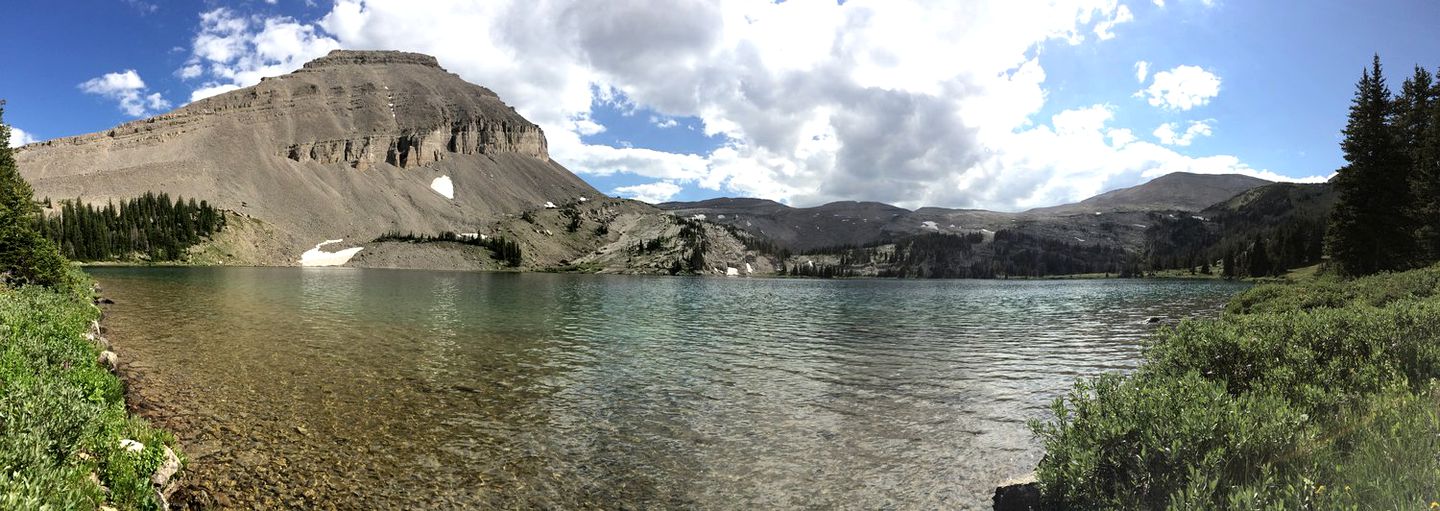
(834, 224)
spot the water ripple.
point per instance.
(458, 390)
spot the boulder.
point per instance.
(1019, 494)
(109, 360)
(131, 445)
(168, 468)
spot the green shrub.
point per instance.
(1305, 396)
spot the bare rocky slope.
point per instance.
(1177, 191)
(351, 146)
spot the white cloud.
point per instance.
(1182, 88)
(1079, 155)
(654, 193)
(663, 123)
(1170, 134)
(19, 137)
(909, 102)
(129, 90)
(1160, 3)
(1142, 70)
(1103, 28)
(233, 51)
(190, 72)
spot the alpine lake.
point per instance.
(318, 388)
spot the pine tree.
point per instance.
(1369, 228)
(25, 256)
(1259, 259)
(1422, 120)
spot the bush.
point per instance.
(1314, 396)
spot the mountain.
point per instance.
(831, 225)
(1111, 217)
(1177, 191)
(352, 145)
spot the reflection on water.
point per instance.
(389, 389)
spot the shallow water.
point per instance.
(342, 388)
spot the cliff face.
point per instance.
(419, 147)
(346, 147)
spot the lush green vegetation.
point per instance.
(503, 249)
(150, 226)
(1322, 395)
(62, 416)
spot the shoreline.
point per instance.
(142, 399)
(135, 405)
(568, 270)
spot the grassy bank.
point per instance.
(62, 415)
(1316, 395)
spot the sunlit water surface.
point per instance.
(338, 388)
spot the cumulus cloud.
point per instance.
(233, 50)
(1182, 88)
(1103, 29)
(1088, 156)
(126, 88)
(1171, 134)
(19, 137)
(654, 193)
(910, 102)
(1142, 70)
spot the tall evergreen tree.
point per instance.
(1369, 227)
(1259, 260)
(26, 257)
(1422, 121)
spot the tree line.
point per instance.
(1265, 232)
(503, 249)
(1387, 211)
(151, 226)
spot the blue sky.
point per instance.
(994, 104)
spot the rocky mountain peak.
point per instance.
(338, 58)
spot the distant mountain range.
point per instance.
(851, 223)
